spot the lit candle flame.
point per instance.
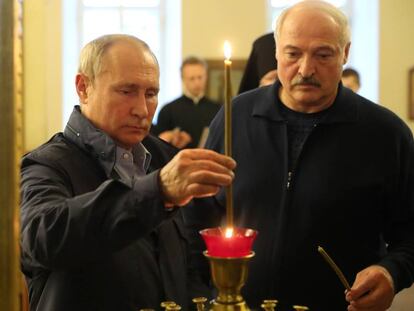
(229, 233)
(227, 50)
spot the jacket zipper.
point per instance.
(72, 130)
(289, 179)
(290, 173)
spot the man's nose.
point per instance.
(306, 67)
(139, 107)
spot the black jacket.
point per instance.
(352, 189)
(89, 242)
(189, 117)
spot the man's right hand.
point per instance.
(195, 173)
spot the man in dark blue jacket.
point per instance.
(101, 227)
(318, 164)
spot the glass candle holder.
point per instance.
(220, 244)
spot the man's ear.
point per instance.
(82, 84)
(346, 53)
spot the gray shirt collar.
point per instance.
(100, 145)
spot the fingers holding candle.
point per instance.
(195, 173)
(373, 289)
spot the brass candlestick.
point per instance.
(229, 275)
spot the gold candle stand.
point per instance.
(229, 275)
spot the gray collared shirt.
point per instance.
(131, 164)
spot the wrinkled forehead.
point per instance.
(128, 53)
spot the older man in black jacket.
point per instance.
(101, 227)
(318, 164)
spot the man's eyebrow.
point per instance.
(290, 47)
(325, 47)
(155, 89)
(126, 85)
(134, 86)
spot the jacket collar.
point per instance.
(80, 131)
(268, 103)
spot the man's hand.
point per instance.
(195, 173)
(176, 137)
(373, 290)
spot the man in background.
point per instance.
(261, 67)
(350, 79)
(186, 119)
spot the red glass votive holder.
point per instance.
(239, 244)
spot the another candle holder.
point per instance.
(229, 257)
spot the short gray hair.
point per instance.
(90, 59)
(338, 16)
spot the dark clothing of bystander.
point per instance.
(262, 59)
(188, 116)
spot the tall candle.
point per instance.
(228, 128)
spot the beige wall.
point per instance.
(207, 24)
(42, 71)
(396, 55)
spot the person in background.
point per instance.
(350, 79)
(317, 165)
(101, 227)
(261, 67)
(183, 121)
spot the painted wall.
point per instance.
(42, 71)
(396, 55)
(206, 24)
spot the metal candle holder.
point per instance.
(229, 275)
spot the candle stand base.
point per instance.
(229, 274)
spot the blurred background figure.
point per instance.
(261, 67)
(350, 79)
(185, 120)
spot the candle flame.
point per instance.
(229, 233)
(227, 50)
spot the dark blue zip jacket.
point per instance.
(351, 192)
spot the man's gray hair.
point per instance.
(338, 16)
(90, 59)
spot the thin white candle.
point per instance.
(227, 128)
